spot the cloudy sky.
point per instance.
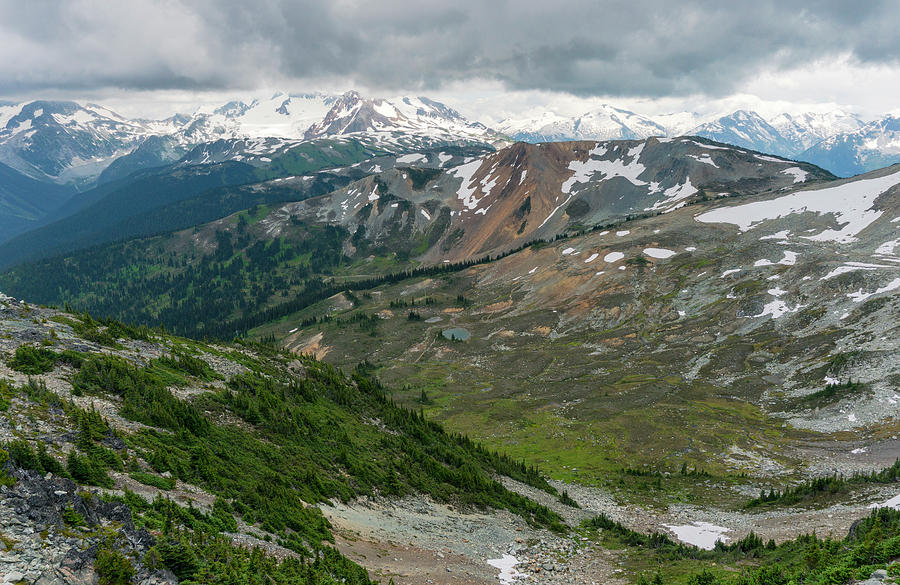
(488, 58)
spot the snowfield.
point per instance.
(701, 534)
(850, 204)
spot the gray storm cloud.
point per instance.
(645, 47)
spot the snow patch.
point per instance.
(730, 271)
(711, 147)
(783, 234)
(410, 158)
(860, 296)
(568, 251)
(466, 192)
(777, 308)
(887, 248)
(507, 565)
(613, 257)
(852, 267)
(789, 259)
(799, 174)
(675, 196)
(425, 214)
(660, 253)
(701, 534)
(704, 158)
(850, 204)
(892, 503)
(583, 171)
(591, 258)
(623, 233)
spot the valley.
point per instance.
(408, 352)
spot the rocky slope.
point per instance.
(114, 444)
(526, 192)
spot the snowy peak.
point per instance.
(352, 113)
(280, 116)
(64, 141)
(788, 135)
(67, 142)
(872, 146)
(604, 123)
(804, 130)
(746, 129)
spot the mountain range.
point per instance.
(69, 143)
(838, 141)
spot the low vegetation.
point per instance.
(873, 543)
(820, 488)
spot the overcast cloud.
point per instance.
(654, 49)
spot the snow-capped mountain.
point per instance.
(788, 135)
(236, 129)
(874, 145)
(65, 142)
(746, 129)
(804, 130)
(280, 116)
(604, 123)
(69, 143)
(352, 113)
(680, 123)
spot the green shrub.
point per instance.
(22, 455)
(72, 518)
(84, 470)
(179, 557)
(157, 481)
(5, 479)
(33, 360)
(112, 567)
